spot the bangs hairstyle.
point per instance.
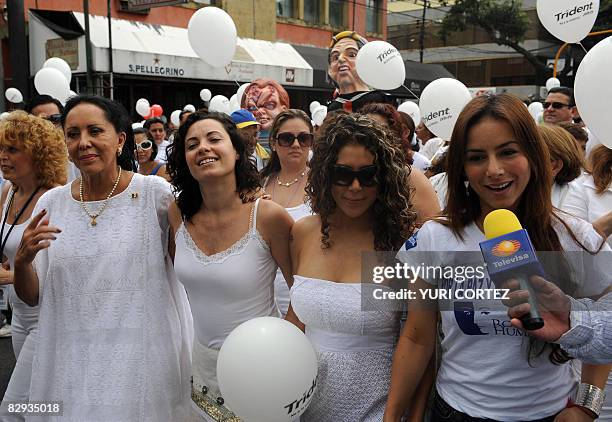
(562, 146)
(274, 164)
(534, 210)
(117, 116)
(186, 188)
(43, 143)
(392, 216)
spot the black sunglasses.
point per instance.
(54, 118)
(556, 105)
(344, 176)
(286, 139)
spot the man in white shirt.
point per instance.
(157, 133)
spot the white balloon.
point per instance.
(212, 35)
(313, 106)
(267, 371)
(4, 115)
(234, 105)
(593, 90)
(136, 125)
(175, 117)
(220, 104)
(205, 94)
(412, 109)
(441, 102)
(552, 83)
(240, 92)
(61, 65)
(380, 65)
(319, 115)
(568, 20)
(50, 81)
(13, 95)
(190, 108)
(535, 109)
(143, 107)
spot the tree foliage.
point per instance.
(503, 20)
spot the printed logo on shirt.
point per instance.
(506, 247)
(411, 242)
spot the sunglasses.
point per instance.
(144, 145)
(286, 139)
(54, 118)
(556, 105)
(344, 176)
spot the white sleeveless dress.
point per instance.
(225, 290)
(354, 349)
(115, 328)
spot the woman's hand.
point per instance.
(6, 275)
(36, 237)
(573, 414)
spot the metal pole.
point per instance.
(88, 54)
(110, 50)
(422, 34)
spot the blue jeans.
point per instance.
(443, 412)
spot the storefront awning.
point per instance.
(162, 51)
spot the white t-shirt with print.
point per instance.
(484, 370)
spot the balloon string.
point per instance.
(408, 89)
(228, 69)
(585, 50)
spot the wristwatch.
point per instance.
(590, 397)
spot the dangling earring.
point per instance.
(119, 151)
(467, 187)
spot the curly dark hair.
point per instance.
(186, 188)
(395, 123)
(393, 218)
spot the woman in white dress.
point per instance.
(490, 370)
(285, 176)
(114, 329)
(229, 244)
(359, 192)
(33, 158)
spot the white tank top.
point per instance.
(10, 249)
(229, 287)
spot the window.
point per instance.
(337, 13)
(373, 16)
(312, 11)
(285, 8)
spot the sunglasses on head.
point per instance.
(556, 105)
(144, 145)
(286, 139)
(344, 176)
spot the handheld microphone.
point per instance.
(508, 253)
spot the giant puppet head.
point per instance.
(265, 98)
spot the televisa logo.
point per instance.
(574, 11)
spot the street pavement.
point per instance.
(7, 363)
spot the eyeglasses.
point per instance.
(144, 146)
(54, 118)
(286, 139)
(344, 176)
(556, 105)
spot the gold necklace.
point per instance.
(287, 184)
(104, 204)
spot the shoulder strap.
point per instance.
(156, 169)
(253, 222)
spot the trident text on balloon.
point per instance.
(572, 12)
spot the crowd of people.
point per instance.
(133, 253)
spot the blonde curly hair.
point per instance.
(42, 141)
